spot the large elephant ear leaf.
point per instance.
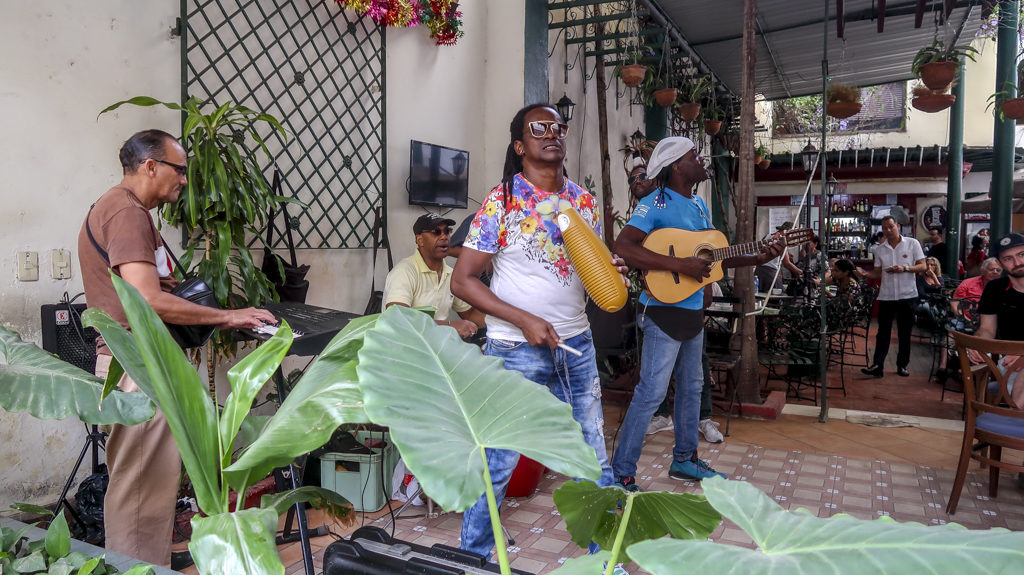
(593, 513)
(46, 387)
(798, 542)
(444, 402)
(239, 542)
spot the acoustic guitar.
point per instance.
(711, 245)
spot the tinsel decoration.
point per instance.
(402, 13)
(358, 6)
(444, 20)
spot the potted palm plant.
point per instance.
(936, 65)
(842, 101)
(226, 200)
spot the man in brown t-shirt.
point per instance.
(143, 460)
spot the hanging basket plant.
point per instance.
(1012, 108)
(712, 127)
(632, 75)
(936, 65)
(688, 110)
(931, 101)
(665, 97)
(760, 154)
(843, 101)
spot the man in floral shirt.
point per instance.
(536, 300)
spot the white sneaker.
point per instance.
(660, 423)
(709, 429)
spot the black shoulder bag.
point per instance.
(192, 288)
(380, 238)
(291, 285)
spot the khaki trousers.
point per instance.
(145, 470)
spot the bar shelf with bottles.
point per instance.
(849, 225)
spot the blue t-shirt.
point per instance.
(666, 208)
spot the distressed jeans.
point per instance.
(571, 379)
(663, 358)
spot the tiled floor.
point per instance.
(866, 471)
(856, 463)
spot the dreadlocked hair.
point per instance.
(513, 161)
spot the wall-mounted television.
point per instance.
(438, 176)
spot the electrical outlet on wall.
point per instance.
(28, 266)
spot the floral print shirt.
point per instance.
(532, 269)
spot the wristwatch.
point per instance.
(906, 269)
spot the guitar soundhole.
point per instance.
(704, 253)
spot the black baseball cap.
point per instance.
(1010, 240)
(428, 222)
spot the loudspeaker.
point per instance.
(64, 335)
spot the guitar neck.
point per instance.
(736, 250)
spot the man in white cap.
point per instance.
(673, 339)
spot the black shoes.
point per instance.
(902, 372)
(875, 370)
(181, 560)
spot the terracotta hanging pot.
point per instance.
(938, 75)
(711, 127)
(842, 110)
(1013, 108)
(757, 159)
(665, 97)
(932, 103)
(633, 74)
(689, 111)
(763, 164)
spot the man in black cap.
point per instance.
(423, 279)
(1002, 305)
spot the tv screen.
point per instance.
(438, 176)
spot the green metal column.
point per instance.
(535, 53)
(954, 178)
(721, 190)
(655, 122)
(1002, 141)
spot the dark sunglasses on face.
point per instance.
(439, 232)
(540, 128)
(177, 167)
(637, 178)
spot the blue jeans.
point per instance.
(572, 379)
(661, 359)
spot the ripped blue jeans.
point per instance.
(572, 379)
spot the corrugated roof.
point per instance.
(791, 34)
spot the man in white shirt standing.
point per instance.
(897, 260)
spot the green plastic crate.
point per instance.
(358, 476)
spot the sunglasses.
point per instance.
(439, 232)
(177, 167)
(637, 178)
(540, 129)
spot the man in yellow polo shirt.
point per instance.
(423, 279)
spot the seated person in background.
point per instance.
(930, 281)
(972, 288)
(979, 246)
(423, 279)
(767, 272)
(846, 279)
(1002, 307)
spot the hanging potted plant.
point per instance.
(936, 65)
(690, 94)
(842, 100)
(632, 75)
(1010, 105)
(931, 101)
(658, 91)
(713, 117)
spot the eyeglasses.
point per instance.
(637, 178)
(177, 167)
(438, 232)
(540, 128)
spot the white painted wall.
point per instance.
(62, 64)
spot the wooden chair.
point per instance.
(993, 419)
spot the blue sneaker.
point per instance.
(628, 483)
(693, 470)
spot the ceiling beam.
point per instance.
(881, 16)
